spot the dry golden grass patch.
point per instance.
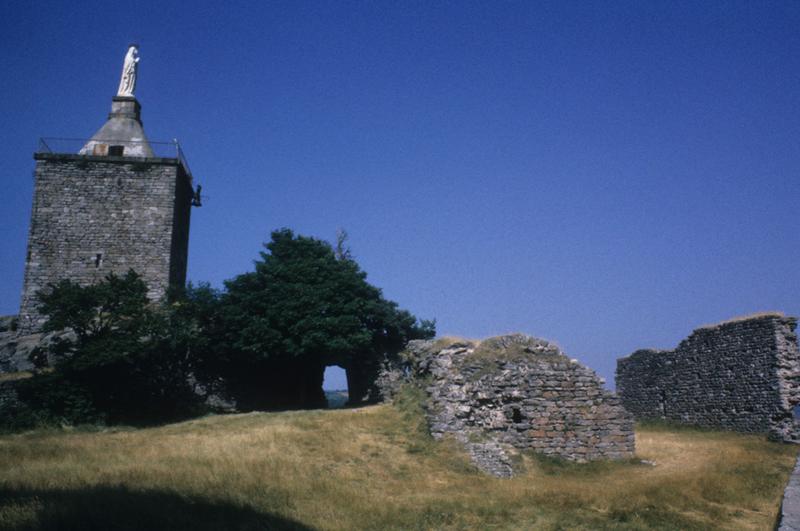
(747, 317)
(372, 468)
(13, 376)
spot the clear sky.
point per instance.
(607, 175)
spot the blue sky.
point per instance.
(606, 175)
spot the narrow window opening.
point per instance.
(116, 151)
(98, 260)
(516, 415)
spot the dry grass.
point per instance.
(12, 376)
(446, 341)
(372, 468)
(738, 318)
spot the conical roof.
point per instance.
(123, 133)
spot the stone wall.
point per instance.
(16, 348)
(8, 347)
(15, 351)
(742, 375)
(94, 215)
(515, 392)
(10, 404)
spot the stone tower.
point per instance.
(119, 202)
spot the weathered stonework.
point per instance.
(93, 215)
(8, 345)
(9, 401)
(515, 392)
(17, 349)
(111, 207)
(789, 518)
(742, 375)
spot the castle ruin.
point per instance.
(511, 393)
(742, 375)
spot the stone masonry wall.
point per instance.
(742, 375)
(9, 401)
(517, 392)
(179, 250)
(94, 215)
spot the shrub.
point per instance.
(122, 359)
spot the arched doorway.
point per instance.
(334, 385)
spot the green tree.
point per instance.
(119, 357)
(302, 309)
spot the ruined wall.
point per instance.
(16, 348)
(742, 375)
(519, 392)
(94, 215)
(8, 345)
(9, 401)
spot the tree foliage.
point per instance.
(264, 340)
(118, 357)
(302, 302)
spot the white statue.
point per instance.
(128, 81)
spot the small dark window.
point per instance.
(516, 415)
(98, 259)
(116, 151)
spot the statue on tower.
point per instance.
(128, 81)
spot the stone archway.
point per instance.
(334, 385)
(298, 384)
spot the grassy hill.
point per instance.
(372, 468)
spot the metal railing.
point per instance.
(127, 148)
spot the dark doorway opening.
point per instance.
(334, 385)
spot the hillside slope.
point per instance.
(372, 468)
